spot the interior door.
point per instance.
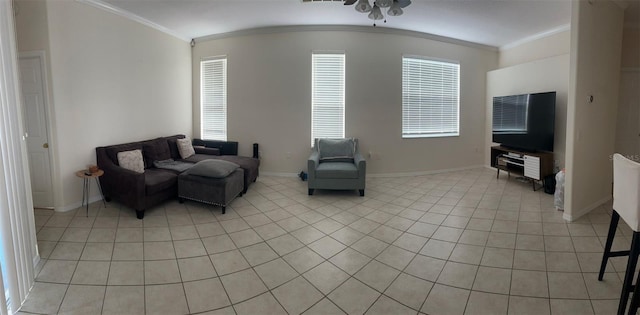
(35, 116)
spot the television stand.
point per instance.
(534, 166)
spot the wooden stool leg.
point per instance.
(628, 276)
(615, 218)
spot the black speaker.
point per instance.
(256, 153)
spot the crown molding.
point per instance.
(343, 28)
(559, 29)
(126, 14)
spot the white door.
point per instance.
(35, 115)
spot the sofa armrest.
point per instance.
(205, 150)
(360, 162)
(312, 164)
(121, 184)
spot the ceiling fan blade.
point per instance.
(403, 3)
(349, 2)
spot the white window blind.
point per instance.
(430, 98)
(213, 99)
(510, 113)
(327, 100)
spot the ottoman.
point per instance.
(211, 190)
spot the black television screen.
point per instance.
(525, 121)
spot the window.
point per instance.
(510, 114)
(327, 96)
(213, 99)
(430, 98)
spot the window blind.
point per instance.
(510, 113)
(213, 99)
(327, 100)
(430, 98)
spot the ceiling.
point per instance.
(489, 22)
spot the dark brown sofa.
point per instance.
(142, 191)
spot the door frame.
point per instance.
(48, 110)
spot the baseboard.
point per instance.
(279, 174)
(36, 260)
(575, 215)
(383, 175)
(77, 204)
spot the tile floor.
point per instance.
(452, 243)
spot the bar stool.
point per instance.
(626, 204)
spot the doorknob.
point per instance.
(46, 145)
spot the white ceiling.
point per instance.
(488, 22)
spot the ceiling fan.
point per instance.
(395, 7)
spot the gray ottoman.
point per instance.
(211, 190)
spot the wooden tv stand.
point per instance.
(534, 166)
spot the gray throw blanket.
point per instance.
(170, 164)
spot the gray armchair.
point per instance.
(336, 164)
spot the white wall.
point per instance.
(596, 40)
(269, 98)
(556, 44)
(628, 122)
(544, 75)
(113, 81)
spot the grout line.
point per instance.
(393, 199)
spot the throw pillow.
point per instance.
(131, 160)
(336, 149)
(213, 168)
(185, 148)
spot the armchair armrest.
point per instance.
(360, 162)
(312, 164)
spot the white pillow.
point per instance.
(131, 160)
(185, 148)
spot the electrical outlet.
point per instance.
(288, 155)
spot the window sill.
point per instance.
(439, 135)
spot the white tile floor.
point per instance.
(453, 243)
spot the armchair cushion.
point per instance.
(337, 170)
(338, 150)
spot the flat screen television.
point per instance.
(525, 122)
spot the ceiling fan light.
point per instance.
(395, 9)
(384, 3)
(376, 14)
(363, 6)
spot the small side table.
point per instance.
(85, 186)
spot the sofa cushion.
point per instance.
(157, 180)
(339, 150)
(213, 168)
(173, 146)
(185, 148)
(336, 170)
(131, 160)
(157, 150)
